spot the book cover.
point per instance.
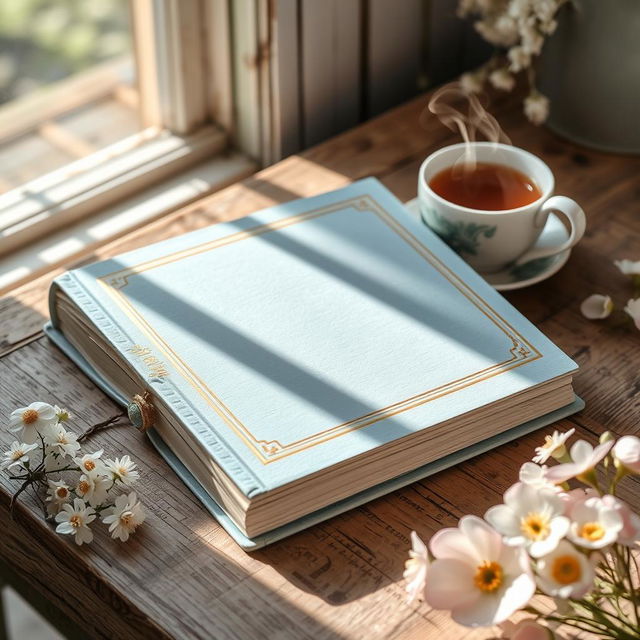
(312, 332)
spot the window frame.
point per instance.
(182, 53)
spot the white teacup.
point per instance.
(491, 240)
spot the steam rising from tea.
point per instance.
(488, 186)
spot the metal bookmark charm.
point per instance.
(141, 412)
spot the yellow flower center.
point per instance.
(123, 471)
(62, 439)
(62, 492)
(75, 521)
(488, 577)
(592, 531)
(29, 416)
(126, 517)
(535, 526)
(566, 569)
(16, 455)
(89, 465)
(83, 486)
(548, 442)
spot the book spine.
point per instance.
(184, 411)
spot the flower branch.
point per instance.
(87, 486)
(575, 545)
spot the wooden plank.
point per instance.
(331, 83)
(394, 50)
(285, 72)
(247, 63)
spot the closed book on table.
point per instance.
(310, 357)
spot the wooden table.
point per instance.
(181, 576)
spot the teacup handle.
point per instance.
(571, 210)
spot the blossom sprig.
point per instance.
(74, 488)
(599, 306)
(574, 546)
(517, 29)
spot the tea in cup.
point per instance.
(490, 202)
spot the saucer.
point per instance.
(527, 273)
(533, 271)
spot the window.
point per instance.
(65, 68)
(139, 92)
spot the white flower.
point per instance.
(627, 452)
(596, 307)
(61, 441)
(553, 447)
(526, 629)
(75, 519)
(594, 524)
(545, 9)
(628, 267)
(472, 82)
(63, 415)
(565, 572)
(476, 576)
(17, 454)
(57, 494)
(530, 517)
(633, 309)
(584, 458)
(536, 108)
(576, 496)
(630, 532)
(91, 463)
(532, 40)
(123, 469)
(32, 420)
(93, 488)
(416, 566)
(535, 475)
(124, 517)
(501, 31)
(519, 59)
(502, 79)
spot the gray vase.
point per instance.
(590, 70)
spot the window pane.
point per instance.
(66, 83)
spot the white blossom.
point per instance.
(519, 59)
(58, 494)
(596, 307)
(32, 420)
(75, 520)
(61, 441)
(93, 488)
(18, 454)
(502, 79)
(124, 517)
(628, 267)
(553, 447)
(536, 107)
(595, 523)
(122, 469)
(91, 463)
(632, 308)
(415, 572)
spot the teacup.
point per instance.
(492, 240)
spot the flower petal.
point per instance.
(450, 584)
(596, 307)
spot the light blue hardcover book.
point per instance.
(310, 357)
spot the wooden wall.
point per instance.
(334, 63)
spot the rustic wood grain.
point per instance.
(181, 576)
